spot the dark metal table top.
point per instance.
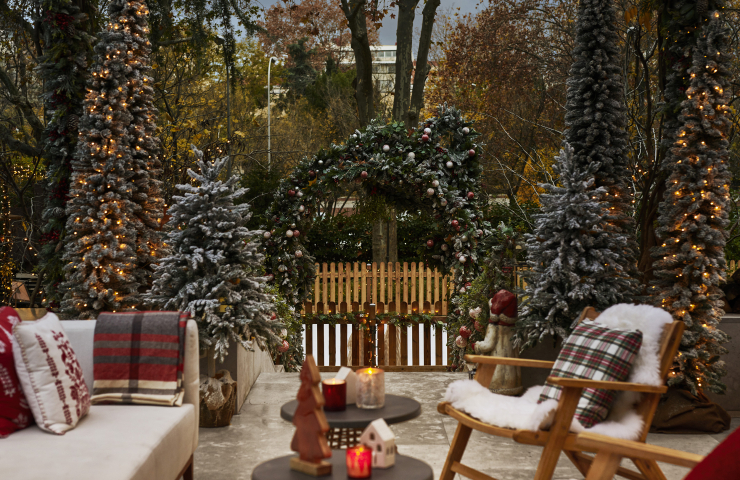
(396, 409)
(406, 468)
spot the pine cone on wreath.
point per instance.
(701, 7)
(69, 29)
(73, 122)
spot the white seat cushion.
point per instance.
(113, 442)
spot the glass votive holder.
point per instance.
(359, 461)
(335, 394)
(370, 388)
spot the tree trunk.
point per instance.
(354, 11)
(422, 65)
(404, 59)
(385, 239)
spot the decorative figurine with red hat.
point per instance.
(507, 379)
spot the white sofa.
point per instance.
(113, 442)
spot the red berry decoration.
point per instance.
(471, 195)
(291, 193)
(284, 347)
(455, 223)
(465, 332)
(363, 175)
(430, 243)
(471, 152)
(425, 138)
(296, 233)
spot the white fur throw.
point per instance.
(525, 413)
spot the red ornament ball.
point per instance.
(455, 223)
(471, 152)
(296, 233)
(291, 193)
(471, 195)
(311, 173)
(430, 243)
(273, 316)
(284, 347)
(425, 138)
(465, 332)
(363, 175)
(479, 326)
(468, 284)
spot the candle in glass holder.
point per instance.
(335, 394)
(370, 388)
(359, 462)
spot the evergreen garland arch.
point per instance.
(434, 167)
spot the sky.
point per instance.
(388, 30)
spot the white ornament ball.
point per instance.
(299, 194)
(386, 148)
(435, 183)
(430, 191)
(301, 209)
(466, 130)
(464, 238)
(444, 247)
(298, 254)
(412, 155)
(449, 164)
(292, 225)
(480, 232)
(427, 130)
(321, 162)
(289, 233)
(462, 259)
(461, 341)
(443, 202)
(462, 289)
(267, 234)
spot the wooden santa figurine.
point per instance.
(309, 439)
(507, 379)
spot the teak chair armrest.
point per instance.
(517, 362)
(630, 449)
(606, 385)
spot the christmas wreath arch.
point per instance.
(434, 167)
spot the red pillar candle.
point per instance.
(335, 394)
(359, 462)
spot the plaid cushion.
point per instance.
(596, 353)
(138, 357)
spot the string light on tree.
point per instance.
(689, 261)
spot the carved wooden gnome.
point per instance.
(507, 379)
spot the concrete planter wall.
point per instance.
(546, 350)
(730, 324)
(245, 366)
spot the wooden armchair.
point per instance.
(559, 438)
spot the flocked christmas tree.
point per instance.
(596, 129)
(215, 269)
(67, 48)
(572, 254)
(690, 262)
(115, 202)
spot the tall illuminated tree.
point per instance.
(64, 69)
(595, 116)
(690, 261)
(115, 203)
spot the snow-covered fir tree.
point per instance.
(690, 261)
(67, 48)
(595, 117)
(572, 255)
(215, 269)
(114, 204)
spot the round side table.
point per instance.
(345, 427)
(406, 468)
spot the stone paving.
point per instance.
(258, 434)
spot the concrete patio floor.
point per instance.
(258, 434)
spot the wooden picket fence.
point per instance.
(419, 347)
(382, 284)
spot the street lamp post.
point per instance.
(269, 101)
(221, 41)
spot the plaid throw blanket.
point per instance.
(138, 358)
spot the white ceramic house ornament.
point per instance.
(346, 374)
(379, 437)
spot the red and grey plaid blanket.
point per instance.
(138, 357)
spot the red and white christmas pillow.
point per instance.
(14, 411)
(50, 374)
